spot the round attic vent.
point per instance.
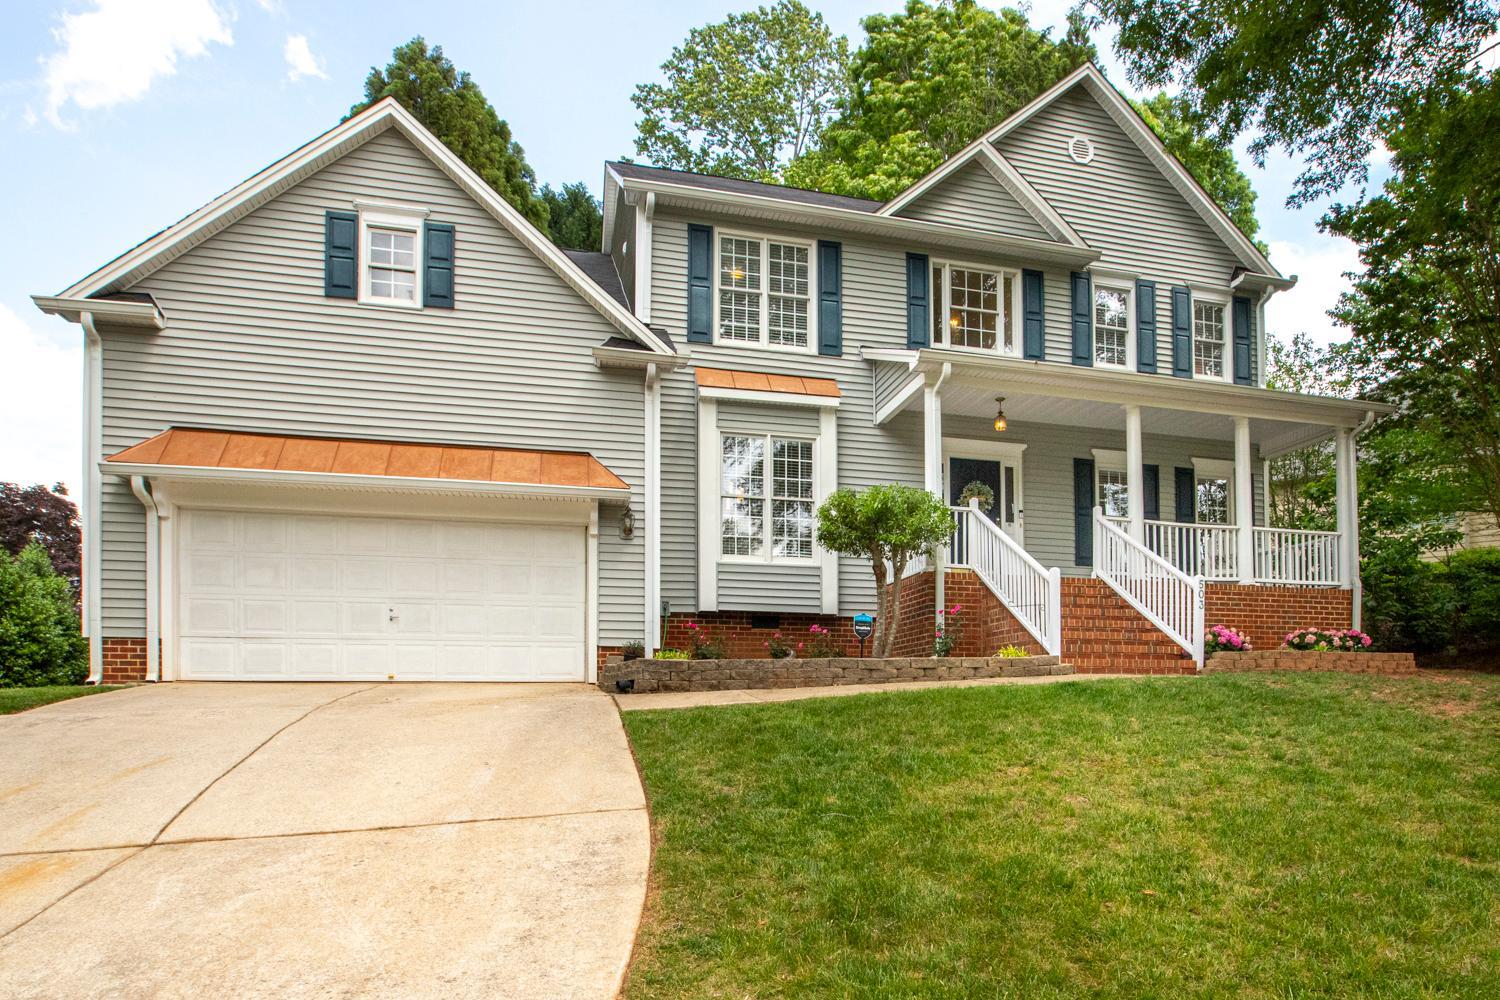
(1080, 149)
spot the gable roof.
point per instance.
(1125, 116)
(169, 244)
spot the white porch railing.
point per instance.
(1285, 555)
(1169, 598)
(1206, 550)
(1030, 591)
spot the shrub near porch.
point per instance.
(1224, 836)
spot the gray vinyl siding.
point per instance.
(252, 344)
(773, 587)
(874, 291)
(1047, 475)
(1122, 206)
(971, 197)
(889, 378)
(783, 421)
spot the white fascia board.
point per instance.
(1166, 392)
(868, 223)
(768, 398)
(895, 356)
(109, 310)
(400, 484)
(901, 399)
(624, 357)
(1265, 284)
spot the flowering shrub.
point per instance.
(821, 644)
(1349, 640)
(1011, 652)
(947, 635)
(777, 647)
(703, 644)
(1222, 638)
(672, 654)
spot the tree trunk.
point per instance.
(877, 564)
(898, 566)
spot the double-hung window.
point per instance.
(977, 308)
(765, 292)
(1209, 351)
(766, 498)
(1111, 327)
(1113, 494)
(1213, 490)
(391, 248)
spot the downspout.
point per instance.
(92, 506)
(653, 509)
(1357, 590)
(153, 577)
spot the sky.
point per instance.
(118, 117)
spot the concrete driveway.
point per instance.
(328, 840)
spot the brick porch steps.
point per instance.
(1102, 633)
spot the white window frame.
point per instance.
(401, 218)
(942, 298)
(764, 341)
(1212, 299)
(1208, 469)
(768, 498)
(1128, 290)
(1109, 460)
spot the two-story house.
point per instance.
(357, 419)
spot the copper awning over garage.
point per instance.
(194, 452)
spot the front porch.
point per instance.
(1155, 486)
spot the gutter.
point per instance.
(93, 420)
(153, 576)
(652, 609)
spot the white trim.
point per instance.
(1244, 500)
(390, 220)
(92, 506)
(167, 537)
(974, 448)
(389, 209)
(765, 239)
(1010, 453)
(136, 263)
(348, 480)
(768, 397)
(591, 598)
(652, 623)
(1109, 283)
(709, 543)
(1009, 276)
(1213, 468)
(900, 399)
(768, 555)
(153, 577)
(826, 451)
(111, 311)
(889, 355)
(1200, 296)
(1112, 459)
(1135, 473)
(644, 218)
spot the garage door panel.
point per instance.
(296, 596)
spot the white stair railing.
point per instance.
(1168, 598)
(1031, 592)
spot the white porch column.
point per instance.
(1346, 507)
(1135, 496)
(932, 471)
(1244, 501)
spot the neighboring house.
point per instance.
(1476, 531)
(358, 419)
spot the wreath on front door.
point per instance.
(978, 491)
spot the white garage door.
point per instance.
(266, 596)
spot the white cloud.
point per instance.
(1319, 264)
(111, 54)
(299, 59)
(40, 408)
(272, 7)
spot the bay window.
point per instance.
(765, 292)
(761, 475)
(976, 308)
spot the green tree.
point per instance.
(925, 84)
(574, 217)
(889, 525)
(1323, 80)
(1426, 311)
(743, 96)
(1296, 492)
(454, 109)
(40, 642)
(1211, 161)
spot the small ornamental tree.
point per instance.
(890, 525)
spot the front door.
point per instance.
(1003, 477)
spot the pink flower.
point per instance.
(799, 645)
(1365, 641)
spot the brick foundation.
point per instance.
(124, 660)
(748, 674)
(1267, 614)
(744, 642)
(1395, 664)
(1103, 634)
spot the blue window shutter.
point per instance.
(1083, 511)
(438, 241)
(1033, 316)
(700, 284)
(1145, 326)
(830, 298)
(1186, 495)
(918, 301)
(1241, 341)
(1083, 319)
(340, 255)
(1182, 332)
(1151, 491)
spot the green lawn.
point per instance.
(1270, 836)
(20, 699)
